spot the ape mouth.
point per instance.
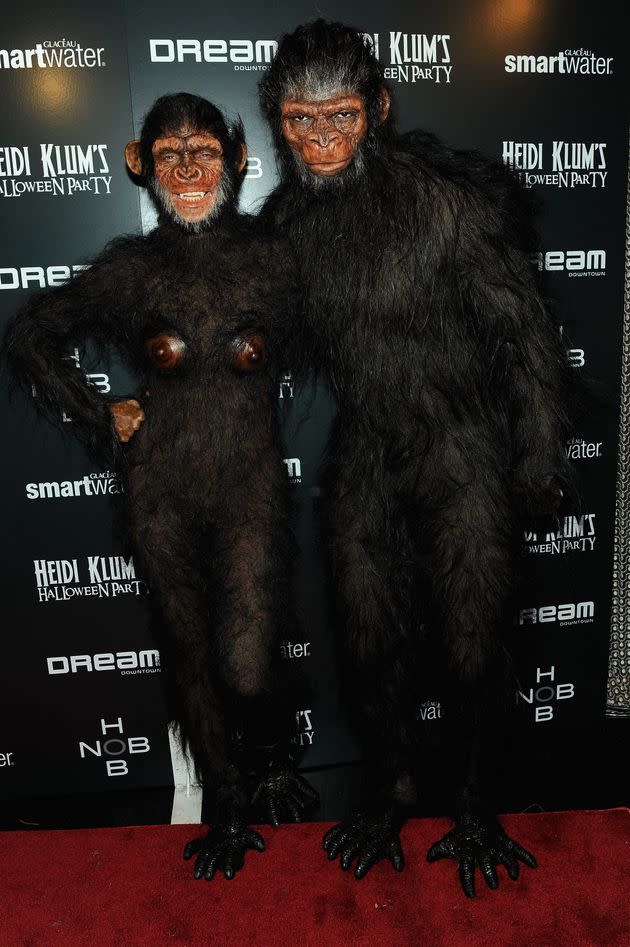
(328, 167)
(193, 205)
(192, 197)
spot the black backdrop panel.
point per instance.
(540, 86)
(70, 593)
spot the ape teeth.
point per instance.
(191, 195)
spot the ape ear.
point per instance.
(132, 156)
(241, 161)
(384, 101)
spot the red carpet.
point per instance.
(129, 887)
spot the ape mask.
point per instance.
(190, 160)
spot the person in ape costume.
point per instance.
(198, 309)
(420, 307)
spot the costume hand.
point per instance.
(368, 837)
(553, 493)
(478, 841)
(128, 416)
(540, 495)
(284, 795)
(223, 848)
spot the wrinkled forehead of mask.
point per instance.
(315, 84)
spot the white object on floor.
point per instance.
(188, 793)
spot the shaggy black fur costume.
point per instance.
(206, 502)
(420, 306)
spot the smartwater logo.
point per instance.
(570, 62)
(579, 449)
(295, 649)
(54, 54)
(430, 710)
(102, 483)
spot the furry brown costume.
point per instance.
(421, 308)
(198, 309)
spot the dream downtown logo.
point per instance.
(244, 54)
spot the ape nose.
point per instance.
(323, 133)
(324, 137)
(187, 171)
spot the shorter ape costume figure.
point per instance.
(198, 308)
(420, 307)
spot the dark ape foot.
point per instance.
(368, 837)
(223, 849)
(283, 795)
(478, 841)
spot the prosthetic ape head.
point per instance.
(325, 97)
(190, 159)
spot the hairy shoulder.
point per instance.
(119, 259)
(473, 186)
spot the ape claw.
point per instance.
(223, 849)
(478, 841)
(368, 838)
(283, 795)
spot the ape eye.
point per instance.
(347, 117)
(302, 123)
(170, 156)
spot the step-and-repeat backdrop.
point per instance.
(537, 85)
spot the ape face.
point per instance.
(188, 168)
(324, 134)
(190, 160)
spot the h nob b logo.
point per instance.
(113, 747)
(545, 694)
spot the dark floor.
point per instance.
(589, 769)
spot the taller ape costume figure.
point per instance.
(421, 308)
(198, 309)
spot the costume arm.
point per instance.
(526, 357)
(37, 345)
